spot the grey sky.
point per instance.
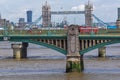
(14, 9)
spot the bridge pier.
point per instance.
(24, 49)
(74, 64)
(19, 50)
(102, 52)
(74, 59)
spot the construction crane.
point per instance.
(106, 25)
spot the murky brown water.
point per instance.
(46, 64)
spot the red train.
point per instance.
(85, 29)
(88, 29)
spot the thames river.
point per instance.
(46, 64)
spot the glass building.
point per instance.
(29, 16)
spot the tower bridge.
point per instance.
(46, 14)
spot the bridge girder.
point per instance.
(66, 12)
(59, 43)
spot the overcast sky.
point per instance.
(14, 9)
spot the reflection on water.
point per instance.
(46, 64)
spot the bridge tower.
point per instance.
(74, 59)
(46, 15)
(118, 20)
(88, 14)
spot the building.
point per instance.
(21, 23)
(2, 22)
(46, 15)
(5, 24)
(29, 16)
(21, 20)
(118, 13)
(88, 14)
(118, 20)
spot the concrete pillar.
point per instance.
(60, 43)
(83, 44)
(52, 41)
(19, 50)
(86, 44)
(64, 42)
(74, 59)
(102, 52)
(94, 42)
(24, 49)
(56, 42)
(90, 43)
(74, 64)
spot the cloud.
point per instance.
(78, 8)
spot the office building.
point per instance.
(29, 16)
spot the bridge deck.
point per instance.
(88, 37)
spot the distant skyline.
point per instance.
(14, 9)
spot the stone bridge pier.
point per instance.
(74, 59)
(102, 52)
(19, 50)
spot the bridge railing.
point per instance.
(32, 32)
(55, 32)
(109, 32)
(103, 32)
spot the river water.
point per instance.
(46, 64)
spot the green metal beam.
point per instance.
(82, 52)
(42, 44)
(37, 37)
(99, 37)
